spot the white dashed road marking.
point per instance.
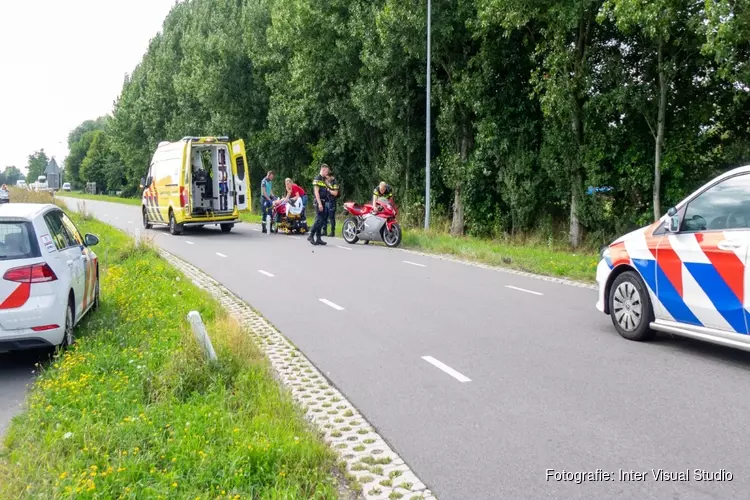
(221, 254)
(447, 369)
(255, 229)
(190, 243)
(331, 304)
(344, 248)
(130, 222)
(414, 264)
(523, 290)
(261, 271)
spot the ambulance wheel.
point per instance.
(225, 228)
(174, 228)
(146, 223)
(630, 307)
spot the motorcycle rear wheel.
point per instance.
(392, 238)
(349, 231)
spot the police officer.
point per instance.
(321, 196)
(333, 192)
(382, 190)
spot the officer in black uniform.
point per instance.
(320, 198)
(333, 194)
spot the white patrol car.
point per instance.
(50, 276)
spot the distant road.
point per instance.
(483, 380)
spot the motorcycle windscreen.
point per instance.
(241, 174)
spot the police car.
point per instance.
(50, 276)
(686, 273)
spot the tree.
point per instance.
(670, 26)
(79, 142)
(94, 165)
(10, 175)
(37, 165)
(568, 31)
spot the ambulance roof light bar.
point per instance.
(222, 138)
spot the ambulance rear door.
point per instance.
(241, 174)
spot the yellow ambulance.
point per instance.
(196, 181)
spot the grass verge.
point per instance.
(530, 256)
(100, 197)
(133, 410)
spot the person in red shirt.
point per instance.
(294, 193)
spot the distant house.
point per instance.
(53, 174)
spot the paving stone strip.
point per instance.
(376, 467)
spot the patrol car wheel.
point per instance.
(630, 307)
(146, 223)
(68, 338)
(174, 228)
(95, 307)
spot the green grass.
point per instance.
(133, 411)
(530, 255)
(100, 197)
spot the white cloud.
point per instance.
(64, 62)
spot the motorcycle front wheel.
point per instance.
(392, 238)
(349, 231)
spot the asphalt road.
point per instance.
(523, 375)
(16, 373)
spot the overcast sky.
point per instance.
(64, 62)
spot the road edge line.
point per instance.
(292, 367)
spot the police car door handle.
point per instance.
(729, 245)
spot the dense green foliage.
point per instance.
(533, 102)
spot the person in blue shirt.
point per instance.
(266, 200)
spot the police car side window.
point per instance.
(57, 231)
(723, 206)
(72, 230)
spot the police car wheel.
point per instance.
(630, 307)
(225, 228)
(69, 337)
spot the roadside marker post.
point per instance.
(201, 335)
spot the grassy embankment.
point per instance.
(134, 411)
(529, 255)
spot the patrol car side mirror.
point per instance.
(674, 220)
(143, 182)
(90, 240)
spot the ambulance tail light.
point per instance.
(183, 197)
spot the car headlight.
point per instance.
(605, 254)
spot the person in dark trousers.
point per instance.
(266, 192)
(321, 194)
(333, 194)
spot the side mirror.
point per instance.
(674, 220)
(143, 182)
(90, 240)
